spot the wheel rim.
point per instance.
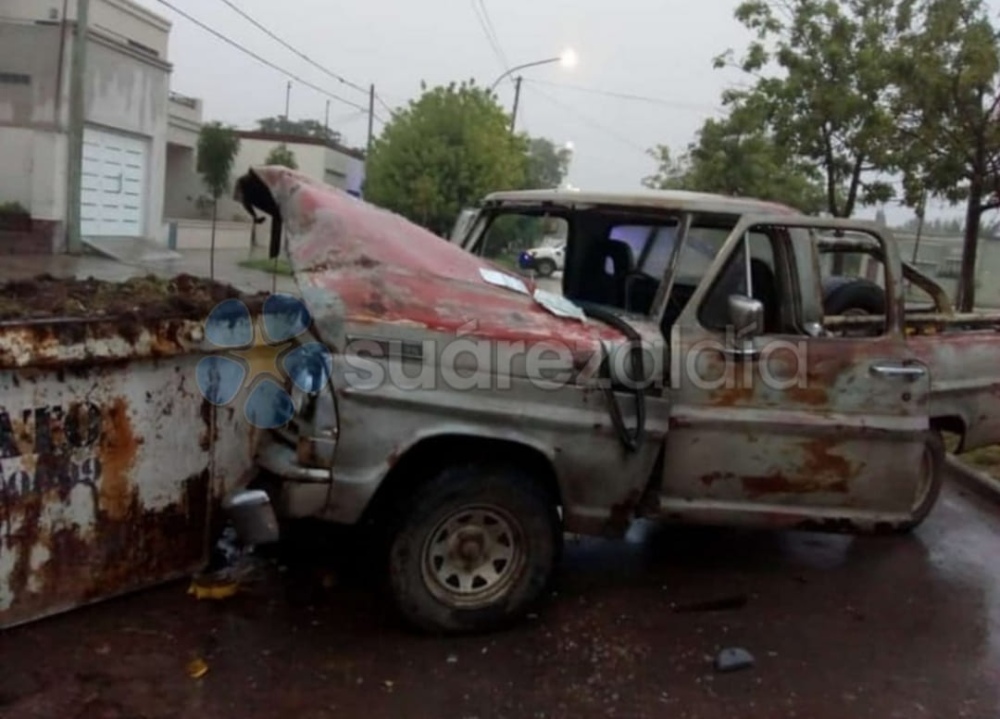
(473, 556)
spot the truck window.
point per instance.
(857, 286)
(732, 280)
(699, 252)
(650, 247)
(508, 234)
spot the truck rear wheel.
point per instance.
(928, 485)
(475, 549)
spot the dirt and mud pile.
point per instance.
(140, 298)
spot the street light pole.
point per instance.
(568, 59)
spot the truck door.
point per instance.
(777, 422)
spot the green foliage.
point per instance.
(948, 102)
(217, 148)
(281, 155)
(546, 165)
(277, 266)
(735, 156)
(829, 103)
(281, 125)
(443, 152)
(13, 208)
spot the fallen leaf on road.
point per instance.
(197, 668)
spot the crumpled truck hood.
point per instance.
(358, 264)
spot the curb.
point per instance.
(980, 481)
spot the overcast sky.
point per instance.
(660, 50)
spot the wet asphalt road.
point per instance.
(840, 627)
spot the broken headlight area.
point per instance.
(313, 428)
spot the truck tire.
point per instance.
(476, 548)
(929, 487)
(852, 295)
(545, 267)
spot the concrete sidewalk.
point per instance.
(193, 262)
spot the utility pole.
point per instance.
(517, 98)
(371, 118)
(77, 108)
(288, 97)
(326, 121)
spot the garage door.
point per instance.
(113, 184)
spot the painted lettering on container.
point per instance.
(48, 448)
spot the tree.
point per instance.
(442, 152)
(546, 164)
(735, 156)
(217, 148)
(949, 105)
(281, 155)
(829, 104)
(281, 125)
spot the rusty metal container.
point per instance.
(110, 471)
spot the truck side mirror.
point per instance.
(746, 318)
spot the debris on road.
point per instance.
(210, 587)
(197, 668)
(733, 659)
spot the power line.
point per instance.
(493, 31)
(257, 57)
(593, 123)
(305, 57)
(489, 37)
(626, 96)
(383, 104)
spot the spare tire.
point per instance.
(852, 295)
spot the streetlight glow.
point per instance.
(568, 58)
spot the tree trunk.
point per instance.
(211, 254)
(966, 299)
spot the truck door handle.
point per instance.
(885, 369)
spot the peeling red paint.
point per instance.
(384, 269)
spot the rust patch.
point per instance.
(119, 447)
(709, 479)
(814, 396)
(820, 460)
(139, 548)
(623, 513)
(205, 438)
(779, 483)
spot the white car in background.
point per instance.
(545, 259)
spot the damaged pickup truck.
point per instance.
(687, 372)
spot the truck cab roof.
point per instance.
(662, 199)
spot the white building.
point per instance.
(126, 122)
(328, 162)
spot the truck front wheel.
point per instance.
(475, 549)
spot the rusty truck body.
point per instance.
(688, 371)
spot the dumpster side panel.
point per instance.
(104, 481)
